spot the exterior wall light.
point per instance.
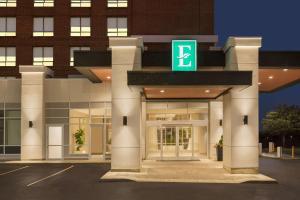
(30, 124)
(221, 122)
(124, 120)
(245, 119)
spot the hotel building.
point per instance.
(131, 80)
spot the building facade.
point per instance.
(131, 80)
(39, 31)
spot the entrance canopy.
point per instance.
(276, 70)
(188, 85)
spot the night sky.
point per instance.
(277, 21)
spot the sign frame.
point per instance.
(182, 68)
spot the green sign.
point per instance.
(184, 55)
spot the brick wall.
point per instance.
(144, 17)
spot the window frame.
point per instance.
(81, 32)
(115, 31)
(43, 3)
(81, 3)
(45, 61)
(4, 119)
(6, 32)
(71, 120)
(117, 3)
(8, 3)
(43, 33)
(6, 60)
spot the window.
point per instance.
(176, 111)
(72, 49)
(10, 128)
(7, 56)
(79, 124)
(89, 122)
(43, 56)
(43, 26)
(117, 3)
(80, 3)
(7, 26)
(80, 26)
(43, 3)
(8, 3)
(117, 26)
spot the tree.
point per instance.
(282, 121)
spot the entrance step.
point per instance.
(205, 171)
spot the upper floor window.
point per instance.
(43, 3)
(43, 56)
(117, 27)
(43, 26)
(72, 49)
(80, 3)
(7, 56)
(8, 3)
(80, 26)
(7, 26)
(117, 3)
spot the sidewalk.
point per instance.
(204, 171)
(284, 156)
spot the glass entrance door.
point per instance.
(185, 141)
(173, 142)
(176, 142)
(168, 142)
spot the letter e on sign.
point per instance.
(184, 55)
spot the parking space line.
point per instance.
(40, 180)
(15, 170)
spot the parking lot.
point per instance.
(81, 181)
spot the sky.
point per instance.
(276, 21)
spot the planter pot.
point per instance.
(219, 153)
(185, 146)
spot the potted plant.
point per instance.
(219, 149)
(79, 139)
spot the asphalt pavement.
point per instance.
(82, 181)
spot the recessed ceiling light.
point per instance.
(108, 77)
(162, 91)
(285, 70)
(207, 91)
(271, 77)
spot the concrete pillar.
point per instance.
(126, 101)
(241, 140)
(215, 128)
(32, 109)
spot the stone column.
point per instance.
(241, 140)
(215, 128)
(126, 102)
(32, 109)
(143, 130)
